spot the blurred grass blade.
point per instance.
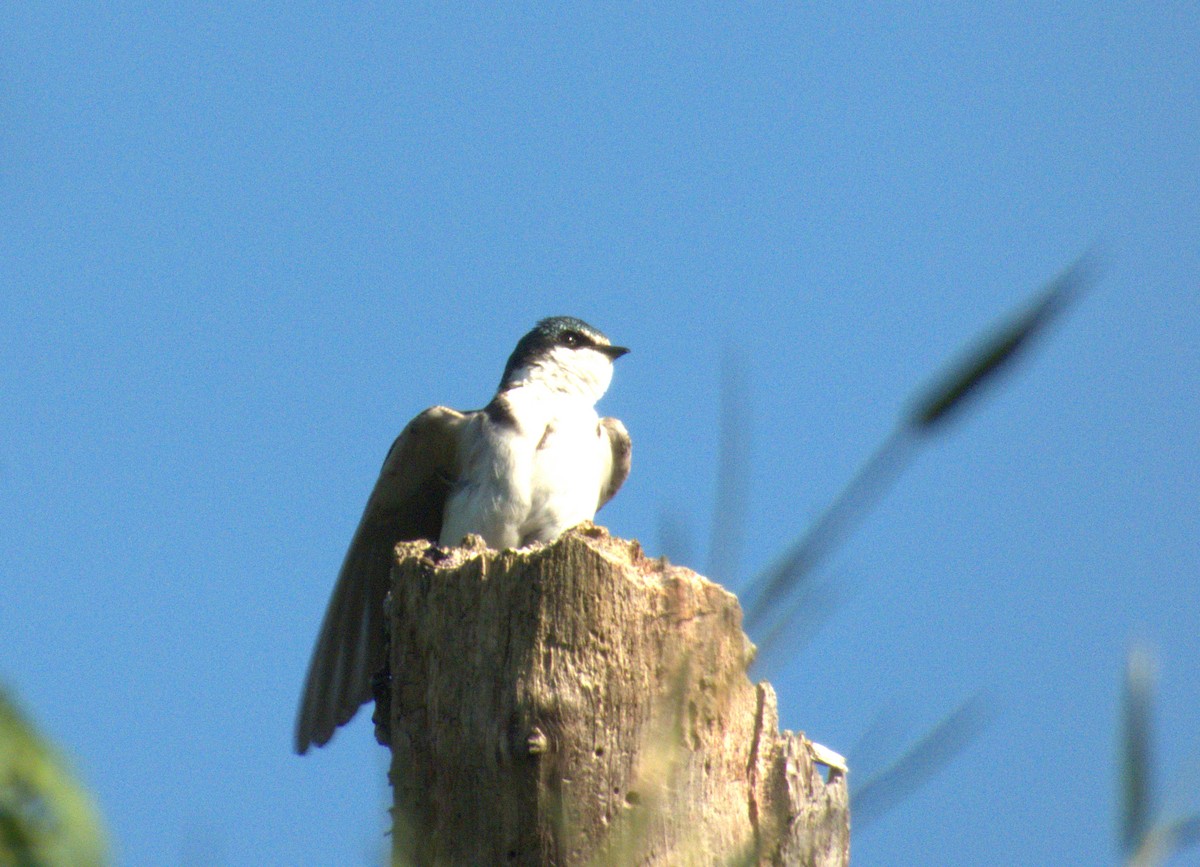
(1186, 832)
(883, 738)
(997, 349)
(788, 575)
(46, 817)
(925, 758)
(729, 517)
(1164, 840)
(675, 537)
(1135, 747)
(806, 611)
(661, 757)
(994, 351)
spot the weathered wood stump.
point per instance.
(580, 704)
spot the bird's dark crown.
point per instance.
(555, 331)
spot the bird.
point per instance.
(535, 461)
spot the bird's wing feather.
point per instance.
(406, 503)
(622, 452)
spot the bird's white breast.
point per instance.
(568, 467)
(530, 480)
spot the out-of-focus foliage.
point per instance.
(1147, 839)
(47, 819)
(767, 608)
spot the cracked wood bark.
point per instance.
(580, 704)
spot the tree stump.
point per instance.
(580, 704)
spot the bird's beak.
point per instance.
(613, 352)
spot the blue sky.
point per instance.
(243, 245)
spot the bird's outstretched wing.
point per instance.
(622, 453)
(407, 503)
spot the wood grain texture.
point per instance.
(579, 704)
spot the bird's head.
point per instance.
(563, 354)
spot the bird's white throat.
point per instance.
(564, 375)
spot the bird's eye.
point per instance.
(572, 339)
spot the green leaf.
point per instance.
(47, 818)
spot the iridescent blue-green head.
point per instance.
(564, 354)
